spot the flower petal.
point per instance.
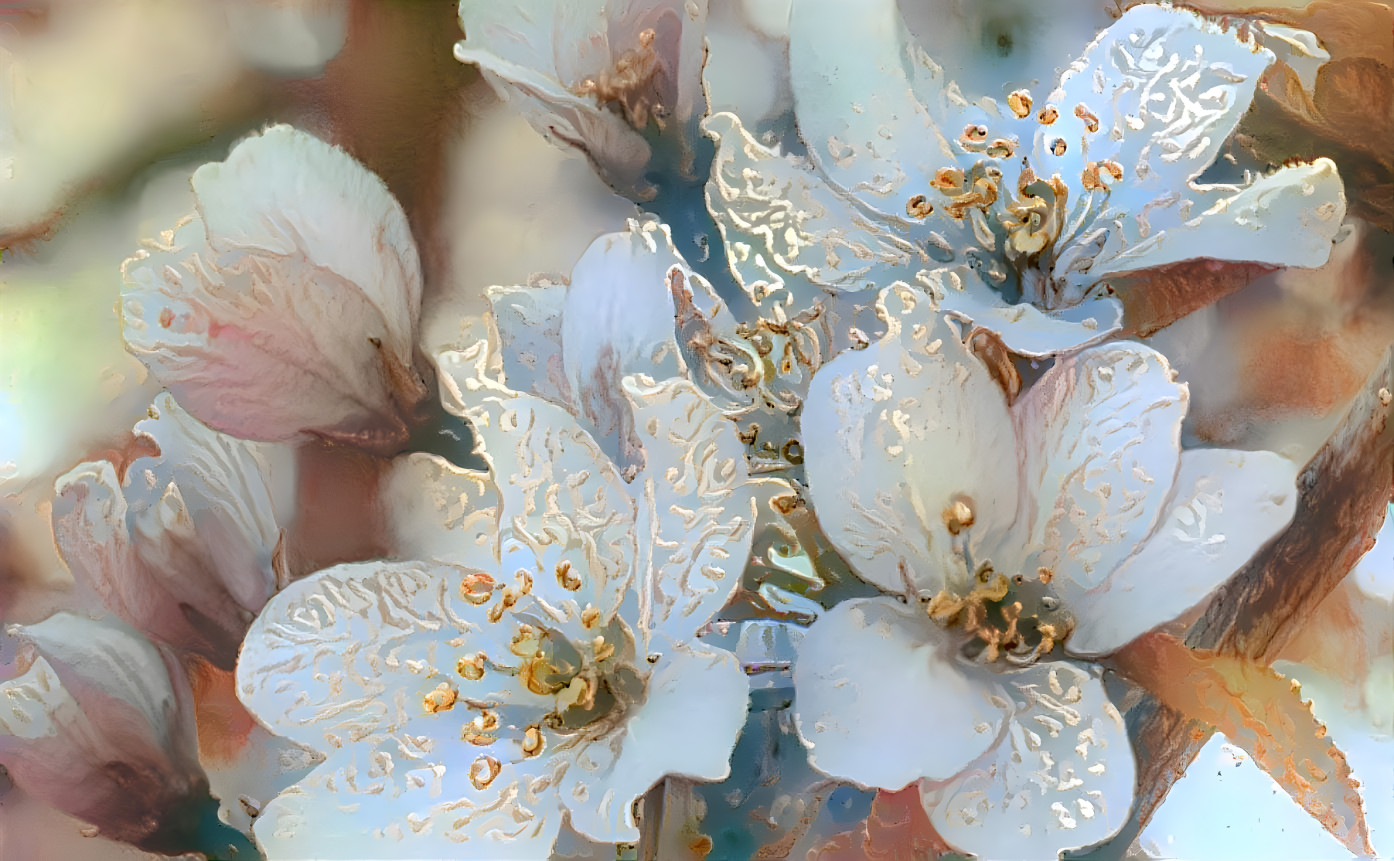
(289, 302)
(1024, 329)
(528, 319)
(185, 547)
(1062, 778)
(440, 512)
(696, 507)
(619, 319)
(1101, 440)
(694, 708)
(1288, 218)
(894, 436)
(786, 232)
(356, 649)
(560, 497)
(1225, 506)
(398, 798)
(1374, 573)
(879, 701)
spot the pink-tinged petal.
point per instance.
(186, 545)
(1101, 440)
(403, 796)
(693, 710)
(101, 725)
(697, 509)
(562, 503)
(881, 701)
(902, 440)
(288, 303)
(1225, 506)
(1060, 778)
(358, 649)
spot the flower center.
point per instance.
(632, 84)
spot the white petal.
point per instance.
(289, 302)
(529, 319)
(1024, 329)
(1288, 218)
(1225, 506)
(184, 549)
(560, 498)
(694, 709)
(696, 507)
(1374, 573)
(871, 106)
(894, 435)
(619, 319)
(1061, 778)
(355, 649)
(880, 701)
(396, 798)
(1101, 440)
(438, 511)
(1167, 88)
(786, 231)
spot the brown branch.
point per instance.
(1343, 496)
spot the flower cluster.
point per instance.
(837, 478)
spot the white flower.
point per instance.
(538, 661)
(1044, 196)
(99, 723)
(184, 543)
(595, 75)
(288, 302)
(1001, 530)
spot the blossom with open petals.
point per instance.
(595, 75)
(1014, 214)
(183, 543)
(538, 658)
(100, 724)
(288, 302)
(1001, 531)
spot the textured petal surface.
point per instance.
(894, 435)
(880, 701)
(687, 725)
(528, 319)
(1225, 506)
(440, 512)
(562, 503)
(696, 508)
(289, 302)
(184, 548)
(1061, 778)
(1101, 440)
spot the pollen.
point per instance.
(1047, 115)
(439, 700)
(1020, 103)
(918, 207)
(476, 588)
(1057, 147)
(567, 578)
(1091, 122)
(483, 730)
(948, 179)
(533, 741)
(958, 516)
(483, 771)
(471, 667)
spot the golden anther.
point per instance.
(531, 675)
(483, 730)
(589, 616)
(580, 692)
(918, 207)
(1090, 178)
(958, 516)
(569, 580)
(943, 607)
(1047, 115)
(532, 741)
(524, 583)
(948, 179)
(483, 771)
(1057, 147)
(1045, 575)
(1020, 103)
(476, 588)
(1112, 168)
(496, 612)
(1091, 122)
(471, 668)
(973, 137)
(602, 649)
(526, 643)
(1001, 148)
(439, 700)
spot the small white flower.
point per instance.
(1043, 195)
(1071, 514)
(184, 544)
(595, 75)
(288, 302)
(538, 660)
(100, 724)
